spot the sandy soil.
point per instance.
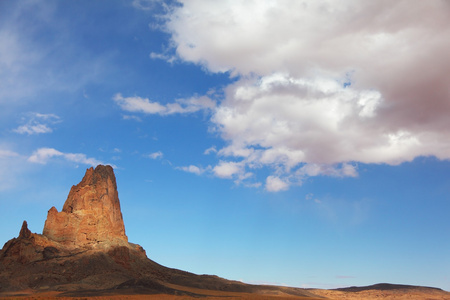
(217, 295)
(376, 294)
(371, 294)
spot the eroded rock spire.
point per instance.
(91, 214)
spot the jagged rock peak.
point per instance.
(24, 231)
(91, 214)
(101, 181)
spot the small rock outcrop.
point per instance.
(91, 214)
(24, 231)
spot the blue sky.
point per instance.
(300, 143)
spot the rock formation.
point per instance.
(84, 248)
(86, 239)
(91, 214)
(84, 251)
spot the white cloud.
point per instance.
(7, 153)
(36, 123)
(146, 4)
(193, 169)
(33, 129)
(210, 150)
(82, 159)
(138, 104)
(322, 85)
(43, 155)
(135, 118)
(226, 169)
(168, 58)
(276, 184)
(181, 106)
(155, 155)
(344, 170)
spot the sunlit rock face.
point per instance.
(82, 247)
(91, 215)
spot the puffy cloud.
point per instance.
(226, 169)
(43, 155)
(181, 106)
(302, 36)
(37, 123)
(276, 184)
(321, 85)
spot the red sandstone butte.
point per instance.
(91, 214)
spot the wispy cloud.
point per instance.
(155, 155)
(146, 4)
(193, 169)
(32, 66)
(129, 117)
(210, 150)
(181, 106)
(227, 170)
(7, 153)
(166, 57)
(43, 155)
(36, 123)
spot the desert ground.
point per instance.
(370, 294)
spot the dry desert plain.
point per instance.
(368, 293)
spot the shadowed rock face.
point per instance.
(91, 214)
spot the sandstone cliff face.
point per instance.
(91, 214)
(83, 242)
